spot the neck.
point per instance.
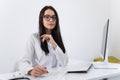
(48, 31)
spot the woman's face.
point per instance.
(49, 19)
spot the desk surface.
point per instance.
(60, 74)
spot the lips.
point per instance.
(51, 24)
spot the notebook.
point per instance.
(80, 68)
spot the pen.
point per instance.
(39, 63)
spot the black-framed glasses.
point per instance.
(48, 17)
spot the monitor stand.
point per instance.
(105, 64)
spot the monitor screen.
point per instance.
(105, 39)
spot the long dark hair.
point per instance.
(55, 32)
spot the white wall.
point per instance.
(115, 28)
(81, 22)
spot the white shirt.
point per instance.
(36, 56)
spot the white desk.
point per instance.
(60, 74)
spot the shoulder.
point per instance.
(35, 34)
(34, 37)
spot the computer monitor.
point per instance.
(104, 47)
(104, 51)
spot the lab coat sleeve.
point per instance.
(25, 64)
(62, 58)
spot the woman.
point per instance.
(44, 49)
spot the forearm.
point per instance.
(54, 44)
(61, 57)
(24, 67)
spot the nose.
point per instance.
(51, 19)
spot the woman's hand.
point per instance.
(50, 39)
(37, 71)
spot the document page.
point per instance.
(53, 74)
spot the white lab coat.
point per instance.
(36, 56)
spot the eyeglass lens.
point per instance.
(48, 17)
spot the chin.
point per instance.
(51, 27)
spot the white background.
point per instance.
(81, 22)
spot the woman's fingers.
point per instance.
(45, 37)
(50, 39)
(35, 73)
(41, 69)
(38, 70)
